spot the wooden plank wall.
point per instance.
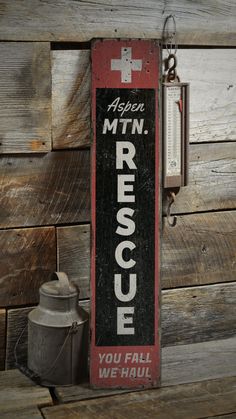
(25, 97)
(45, 137)
(200, 22)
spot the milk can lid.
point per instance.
(61, 286)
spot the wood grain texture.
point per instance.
(44, 190)
(229, 416)
(27, 259)
(73, 247)
(186, 401)
(212, 92)
(22, 413)
(198, 361)
(2, 338)
(25, 97)
(180, 364)
(17, 320)
(54, 188)
(196, 314)
(198, 22)
(18, 393)
(200, 249)
(212, 119)
(212, 180)
(71, 98)
(84, 392)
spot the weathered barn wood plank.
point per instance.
(44, 190)
(196, 314)
(186, 401)
(210, 120)
(73, 249)
(71, 98)
(197, 22)
(212, 92)
(2, 337)
(188, 315)
(199, 250)
(84, 392)
(54, 188)
(180, 364)
(25, 97)
(198, 361)
(230, 416)
(17, 331)
(22, 413)
(212, 180)
(17, 393)
(27, 259)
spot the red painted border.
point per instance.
(102, 52)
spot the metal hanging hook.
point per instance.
(170, 36)
(171, 221)
(171, 69)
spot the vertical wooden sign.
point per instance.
(125, 214)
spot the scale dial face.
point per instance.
(173, 130)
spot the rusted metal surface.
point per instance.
(58, 334)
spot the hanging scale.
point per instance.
(175, 121)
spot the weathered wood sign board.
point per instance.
(124, 266)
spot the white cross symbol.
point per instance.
(125, 64)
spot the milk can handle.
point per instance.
(63, 281)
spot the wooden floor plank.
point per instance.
(27, 259)
(25, 97)
(186, 401)
(180, 365)
(229, 416)
(18, 392)
(22, 413)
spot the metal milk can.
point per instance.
(58, 334)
